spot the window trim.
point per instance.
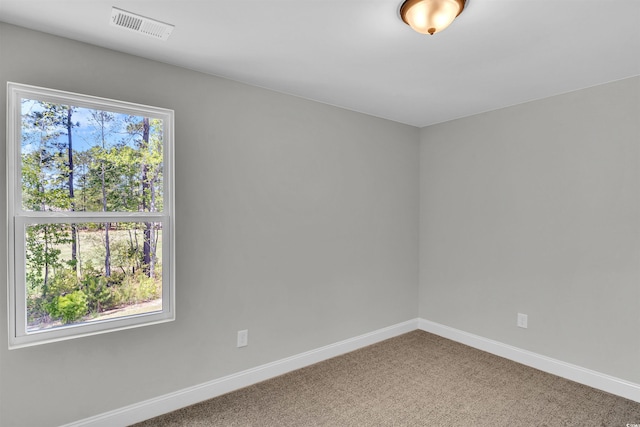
(17, 219)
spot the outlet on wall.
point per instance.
(522, 320)
(243, 338)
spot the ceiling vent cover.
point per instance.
(140, 24)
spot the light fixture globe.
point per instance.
(430, 16)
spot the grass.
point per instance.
(91, 247)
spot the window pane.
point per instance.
(89, 160)
(79, 273)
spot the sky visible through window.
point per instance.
(84, 130)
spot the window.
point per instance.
(90, 213)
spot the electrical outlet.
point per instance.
(243, 338)
(522, 320)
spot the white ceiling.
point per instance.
(359, 55)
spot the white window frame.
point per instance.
(17, 218)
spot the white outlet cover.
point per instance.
(522, 320)
(243, 338)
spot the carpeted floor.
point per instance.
(416, 379)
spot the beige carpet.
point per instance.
(417, 379)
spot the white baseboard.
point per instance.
(571, 372)
(170, 402)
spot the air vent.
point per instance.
(140, 24)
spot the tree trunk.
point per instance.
(46, 257)
(107, 253)
(153, 231)
(148, 231)
(74, 233)
(107, 250)
(107, 225)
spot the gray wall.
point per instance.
(536, 209)
(296, 220)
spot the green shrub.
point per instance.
(148, 288)
(36, 309)
(99, 296)
(65, 281)
(70, 307)
(137, 288)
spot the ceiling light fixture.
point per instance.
(430, 16)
